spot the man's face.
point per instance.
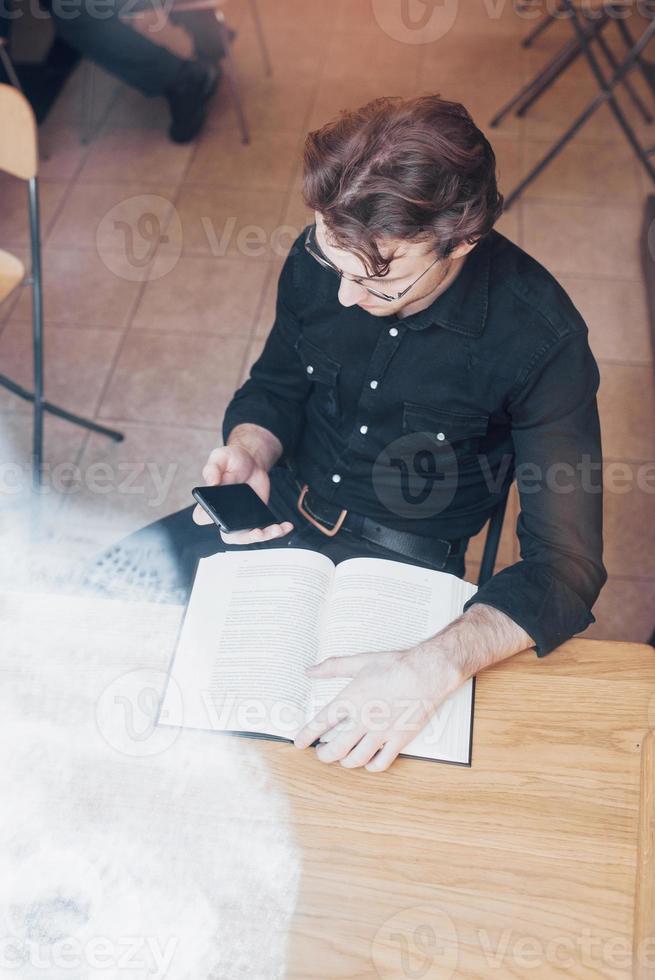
(410, 260)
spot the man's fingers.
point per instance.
(339, 747)
(211, 474)
(258, 534)
(200, 515)
(387, 754)
(219, 455)
(364, 751)
(327, 718)
(223, 466)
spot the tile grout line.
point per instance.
(286, 201)
(129, 319)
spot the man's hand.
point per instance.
(394, 694)
(235, 464)
(391, 698)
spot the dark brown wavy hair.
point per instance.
(410, 169)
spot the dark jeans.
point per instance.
(124, 52)
(158, 562)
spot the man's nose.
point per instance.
(351, 292)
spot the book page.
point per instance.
(251, 627)
(378, 604)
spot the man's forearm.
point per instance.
(480, 637)
(262, 445)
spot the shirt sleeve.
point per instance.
(556, 435)
(274, 394)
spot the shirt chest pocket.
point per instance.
(452, 436)
(323, 372)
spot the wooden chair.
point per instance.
(182, 6)
(19, 157)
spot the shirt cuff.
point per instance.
(538, 601)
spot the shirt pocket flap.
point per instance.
(448, 427)
(318, 365)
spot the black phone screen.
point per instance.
(234, 507)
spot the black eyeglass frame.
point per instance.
(310, 240)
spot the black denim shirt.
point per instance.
(417, 422)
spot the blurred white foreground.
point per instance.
(126, 851)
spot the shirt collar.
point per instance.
(463, 306)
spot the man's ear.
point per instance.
(463, 249)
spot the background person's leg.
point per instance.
(158, 562)
(204, 31)
(116, 46)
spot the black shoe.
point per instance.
(189, 99)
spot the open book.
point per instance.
(257, 619)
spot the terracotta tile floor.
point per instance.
(152, 332)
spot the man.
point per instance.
(415, 356)
(187, 84)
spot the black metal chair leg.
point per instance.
(554, 151)
(492, 540)
(40, 406)
(647, 70)
(565, 57)
(607, 85)
(37, 330)
(537, 31)
(627, 84)
(61, 413)
(594, 31)
(605, 95)
(540, 81)
(570, 57)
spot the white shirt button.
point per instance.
(440, 436)
(363, 429)
(393, 331)
(310, 369)
(336, 478)
(373, 385)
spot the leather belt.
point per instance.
(321, 512)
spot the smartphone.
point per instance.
(234, 507)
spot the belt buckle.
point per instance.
(328, 531)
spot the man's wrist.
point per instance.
(264, 447)
(479, 638)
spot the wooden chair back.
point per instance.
(18, 146)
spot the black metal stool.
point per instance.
(586, 34)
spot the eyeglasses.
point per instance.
(312, 246)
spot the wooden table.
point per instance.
(539, 861)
